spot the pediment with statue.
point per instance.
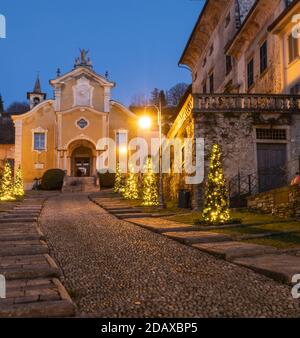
(82, 86)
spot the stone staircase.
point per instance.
(80, 184)
(33, 286)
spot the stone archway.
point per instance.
(82, 159)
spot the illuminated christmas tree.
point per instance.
(150, 190)
(19, 185)
(131, 191)
(6, 184)
(118, 187)
(216, 206)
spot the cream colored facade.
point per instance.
(64, 132)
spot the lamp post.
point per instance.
(145, 123)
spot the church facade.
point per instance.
(64, 132)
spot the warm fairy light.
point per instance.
(6, 185)
(145, 122)
(150, 189)
(216, 207)
(131, 191)
(19, 185)
(118, 187)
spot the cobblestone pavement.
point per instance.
(115, 269)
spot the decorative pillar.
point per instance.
(197, 198)
(107, 97)
(65, 161)
(18, 143)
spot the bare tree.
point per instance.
(176, 93)
(139, 100)
(18, 108)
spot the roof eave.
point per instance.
(181, 61)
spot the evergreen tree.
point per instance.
(131, 191)
(155, 97)
(1, 105)
(163, 99)
(216, 206)
(150, 189)
(6, 184)
(118, 188)
(19, 185)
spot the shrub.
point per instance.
(107, 180)
(53, 179)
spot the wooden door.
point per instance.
(271, 160)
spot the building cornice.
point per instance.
(32, 111)
(201, 34)
(285, 18)
(78, 71)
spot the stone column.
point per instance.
(197, 198)
(18, 143)
(65, 161)
(107, 97)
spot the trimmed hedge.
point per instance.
(107, 180)
(53, 179)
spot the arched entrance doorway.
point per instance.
(81, 162)
(82, 159)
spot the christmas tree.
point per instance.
(118, 187)
(150, 191)
(216, 206)
(6, 184)
(131, 191)
(19, 185)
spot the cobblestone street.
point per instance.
(116, 269)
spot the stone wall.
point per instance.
(283, 202)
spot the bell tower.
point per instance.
(36, 96)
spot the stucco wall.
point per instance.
(67, 98)
(43, 117)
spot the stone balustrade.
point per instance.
(259, 103)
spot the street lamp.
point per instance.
(145, 123)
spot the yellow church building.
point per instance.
(63, 132)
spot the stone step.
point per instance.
(21, 234)
(17, 248)
(21, 215)
(17, 226)
(124, 211)
(193, 237)
(27, 211)
(18, 220)
(24, 207)
(42, 298)
(233, 250)
(28, 267)
(133, 215)
(160, 225)
(121, 208)
(279, 267)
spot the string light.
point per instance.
(19, 185)
(216, 206)
(6, 184)
(131, 191)
(118, 187)
(150, 190)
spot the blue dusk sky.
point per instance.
(138, 41)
